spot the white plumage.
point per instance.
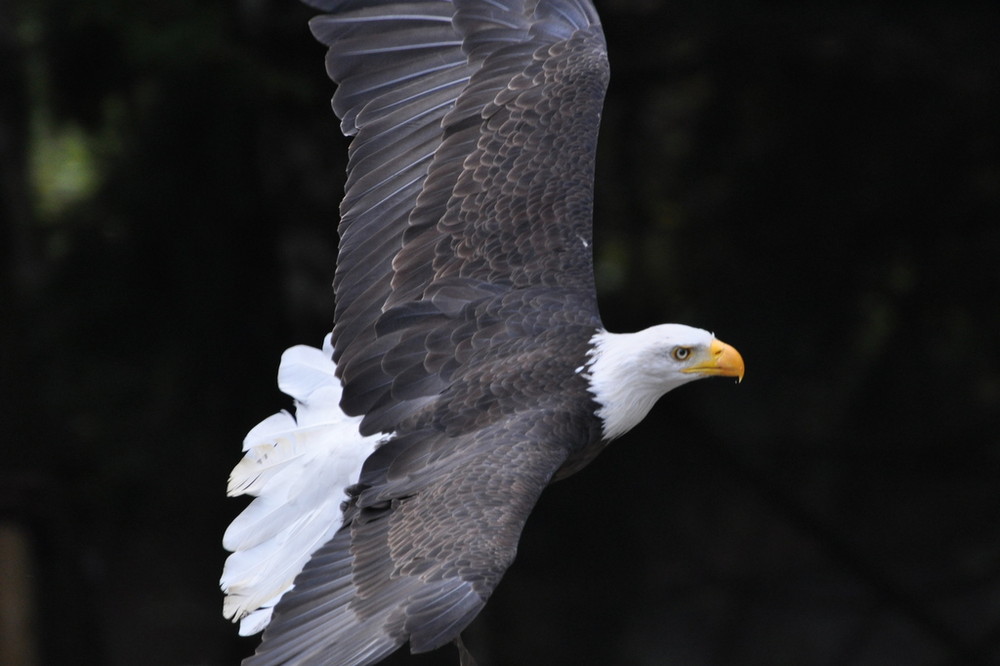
(628, 372)
(297, 467)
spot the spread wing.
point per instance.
(415, 567)
(471, 174)
(465, 303)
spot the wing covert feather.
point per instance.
(475, 126)
(413, 565)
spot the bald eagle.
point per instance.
(467, 367)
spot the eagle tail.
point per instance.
(297, 467)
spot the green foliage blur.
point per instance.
(817, 182)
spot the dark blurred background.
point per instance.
(817, 182)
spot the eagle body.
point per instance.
(468, 366)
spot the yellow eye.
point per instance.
(681, 353)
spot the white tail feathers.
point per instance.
(297, 467)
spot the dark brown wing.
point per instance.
(435, 518)
(418, 559)
(471, 175)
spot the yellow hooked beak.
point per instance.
(722, 360)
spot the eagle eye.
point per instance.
(681, 353)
